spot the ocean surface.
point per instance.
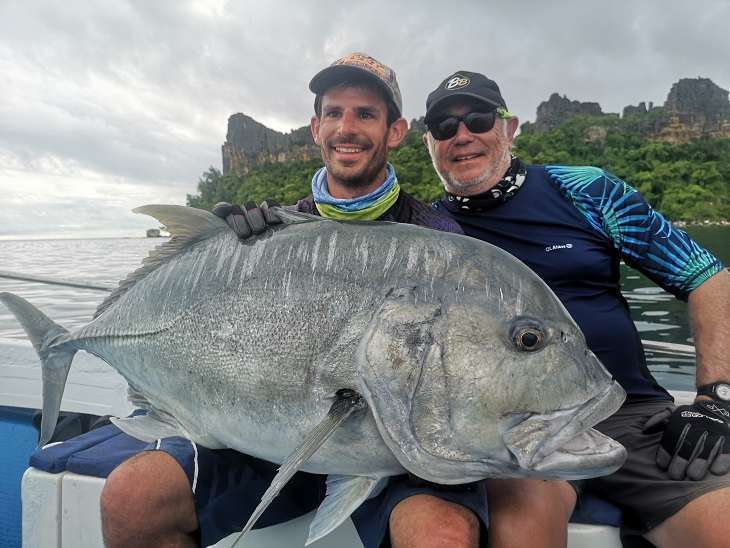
(658, 315)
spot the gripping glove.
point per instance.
(696, 439)
(247, 219)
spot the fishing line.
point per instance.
(54, 281)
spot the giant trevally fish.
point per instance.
(452, 359)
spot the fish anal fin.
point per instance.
(344, 495)
(146, 428)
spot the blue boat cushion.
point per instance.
(95, 453)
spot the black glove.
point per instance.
(696, 439)
(247, 219)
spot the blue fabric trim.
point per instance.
(643, 237)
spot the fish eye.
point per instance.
(528, 339)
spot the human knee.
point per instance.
(120, 493)
(139, 489)
(429, 522)
(696, 523)
(459, 528)
(549, 501)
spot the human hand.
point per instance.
(696, 439)
(247, 219)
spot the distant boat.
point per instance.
(157, 233)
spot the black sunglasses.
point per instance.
(476, 122)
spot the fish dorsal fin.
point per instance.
(187, 226)
(289, 215)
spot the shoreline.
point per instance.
(691, 224)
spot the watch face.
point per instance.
(723, 391)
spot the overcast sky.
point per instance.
(108, 105)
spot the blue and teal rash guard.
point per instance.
(573, 226)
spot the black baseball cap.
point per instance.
(359, 64)
(464, 84)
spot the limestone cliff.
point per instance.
(557, 109)
(695, 108)
(249, 143)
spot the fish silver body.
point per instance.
(470, 366)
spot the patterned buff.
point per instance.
(364, 208)
(498, 194)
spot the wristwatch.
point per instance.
(717, 390)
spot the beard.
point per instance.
(490, 176)
(351, 176)
(478, 184)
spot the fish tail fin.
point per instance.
(55, 357)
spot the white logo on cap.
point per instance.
(457, 81)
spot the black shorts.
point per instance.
(645, 494)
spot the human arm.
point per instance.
(695, 439)
(709, 311)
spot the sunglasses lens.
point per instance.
(446, 128)
(476, 122)
(479, 122)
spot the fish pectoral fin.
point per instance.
(148, 428)
(344, 495)
(346, 403)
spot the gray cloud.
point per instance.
(141, 91)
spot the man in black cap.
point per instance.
(572, 226)
(178, 493)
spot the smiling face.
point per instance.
(353, 134)
(472, 163)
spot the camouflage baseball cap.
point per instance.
(359, 64)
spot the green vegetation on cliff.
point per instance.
(687, 182)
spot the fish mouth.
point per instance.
(562, 444)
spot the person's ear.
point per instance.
(397, 132)
(512, 125)
(314, 128)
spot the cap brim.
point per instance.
(336, 74)
(444, 101)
